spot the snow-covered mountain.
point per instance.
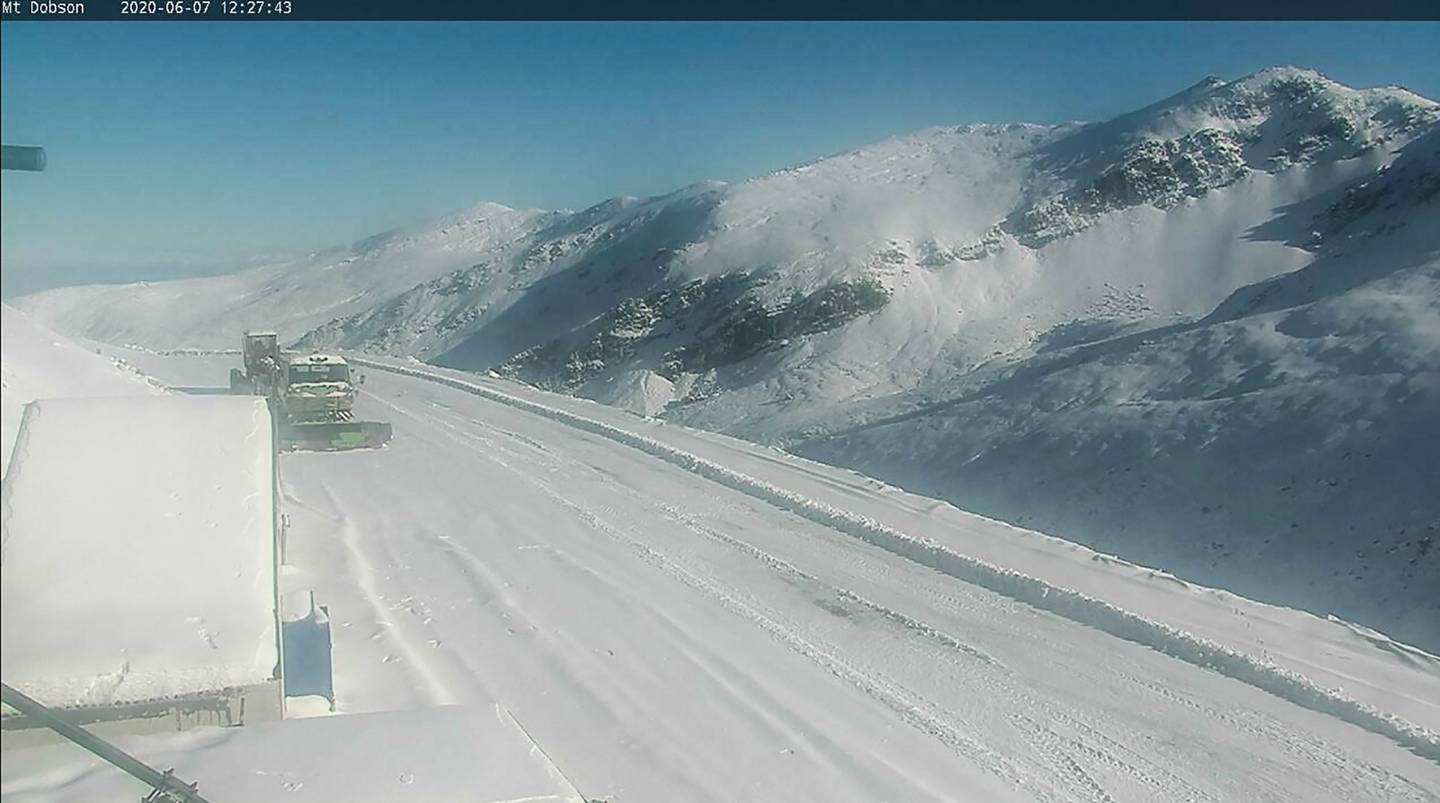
(1203, 334)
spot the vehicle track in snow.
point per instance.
(992, 674)
(1109, 760)
(1071, 604)
(1068, 779)
(1359, 778)
(910, 705)
(606, 525)
(415, 661)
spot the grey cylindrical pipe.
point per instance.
(22, 157)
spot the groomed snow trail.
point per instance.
(666, 637)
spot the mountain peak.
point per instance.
(1284, 72)
(486, 208)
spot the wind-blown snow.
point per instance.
(139, 549)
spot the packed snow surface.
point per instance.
(139, 549)
(667, 632)
(469, 754)
(36, 363)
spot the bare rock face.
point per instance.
(1271, 121)
(1161, 173)
(692, 330)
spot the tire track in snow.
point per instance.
(912, 707)
(1065, 602)
(761, 705)
(1047, 743)
(981, 603)
(488, 449)
(416, 663)
(1362, 778)
(1064, 769)
(779, 565)
(1139, 770)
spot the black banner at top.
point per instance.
(728, 10)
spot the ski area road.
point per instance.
(664, 637)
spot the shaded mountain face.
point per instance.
(966, 309)
(1283, 446)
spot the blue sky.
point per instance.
(189, 148)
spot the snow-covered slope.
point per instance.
(959, 262)
(288, 297)
(1297, 426)
(36, 363)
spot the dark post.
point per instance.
(166, 785)
(22, 157)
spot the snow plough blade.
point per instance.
(331, 436)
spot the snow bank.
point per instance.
(1238, 663)
(36, 363)
(471, 753)
(139, 550)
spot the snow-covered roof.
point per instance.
(321, 359)
(139, 549)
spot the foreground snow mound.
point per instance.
(36, 363)
(139, 549)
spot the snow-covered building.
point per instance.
(140, 564)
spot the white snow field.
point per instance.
(676, 615)
(140, 551)
(37, 363)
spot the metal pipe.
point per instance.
(165, 784)
(22, 157)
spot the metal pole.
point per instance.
(164, 783)
(22, 157)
